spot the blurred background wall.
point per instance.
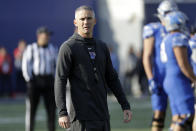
(19, 19)
(120, 22)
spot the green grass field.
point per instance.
(12, 116)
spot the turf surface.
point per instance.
(12, 116)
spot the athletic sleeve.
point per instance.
(113, 82)
(180, 40)
(63, 67)
(148, 31)
(27, 68)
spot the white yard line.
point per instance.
(21, 120)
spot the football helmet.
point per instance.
(176, 20)
(165, 7)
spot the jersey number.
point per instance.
(163, 53)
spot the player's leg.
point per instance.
(186, 111)
(173, 123)
(175, 113)
(32, 101)
(49, 102)
(184, 123)
(158, 120)
(159, 105)
(194, 121)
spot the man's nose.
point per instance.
(85, 20)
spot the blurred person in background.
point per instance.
(38, 67)
(86, 62)
(114, 58)
(131, 77)
(192, 43)
(153, 35)
(5, 73)
(179, 73)
(142, 79)
(18, 54)
(115, 63)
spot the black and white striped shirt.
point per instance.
(39, 60)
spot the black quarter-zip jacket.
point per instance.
(89, 96)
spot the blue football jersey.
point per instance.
(174, 75)
(171, 41)
(158, 31)
(176, 84)
(192, 43)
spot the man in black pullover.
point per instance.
(86, 62)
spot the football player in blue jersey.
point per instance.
(192, 43)
(153, 34)
(179, 73)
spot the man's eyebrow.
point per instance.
(88, 17)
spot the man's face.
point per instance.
(21, 45)
(43, 39)
(85, 22)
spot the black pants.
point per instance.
(20, 82)
(78, 125)
(40, 86)
(5, 85)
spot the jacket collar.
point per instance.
(80, 38)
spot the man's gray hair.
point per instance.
(84, 7)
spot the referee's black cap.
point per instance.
(44, 29)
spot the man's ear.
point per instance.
(75, 23)
(95, 21)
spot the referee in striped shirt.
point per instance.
(38, 67)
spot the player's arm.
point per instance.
(182, 59)
(147, 56)
(64, 64)
(147, 62)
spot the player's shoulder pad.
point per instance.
(179, 39)
(192, 42)
(150, 29)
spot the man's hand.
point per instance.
(154, 87)
(127, 116)
(64, 122)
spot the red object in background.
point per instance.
(5, 64)
(17, 52)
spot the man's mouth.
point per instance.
(86, 28)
